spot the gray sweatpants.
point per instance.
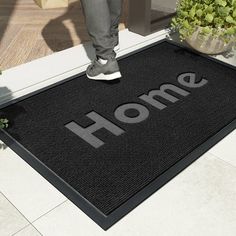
(102, 19)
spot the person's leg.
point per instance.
(98, 21)
(115, 7)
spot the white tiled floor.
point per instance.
(199, 201)
(226, 149)
(28, 231)
(33, 198)
(11, 220)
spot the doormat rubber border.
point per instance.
(106, 221)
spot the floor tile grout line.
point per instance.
(15, 207)
(15, 234)
(30, 223)
(49, 211)
(20, 229)
(226, 162)
(36, 229)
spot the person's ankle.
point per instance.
(102, 61)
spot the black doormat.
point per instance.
(108, 146)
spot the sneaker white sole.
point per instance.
(102, 76)
(117, 48)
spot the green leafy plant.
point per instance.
(215, 17)
(3, 123)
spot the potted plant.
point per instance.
(209, 26)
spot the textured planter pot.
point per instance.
(46, 4)
(208, 44)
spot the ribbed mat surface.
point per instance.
(196, 99)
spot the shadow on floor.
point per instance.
(57, 29)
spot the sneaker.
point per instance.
(108, 71)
